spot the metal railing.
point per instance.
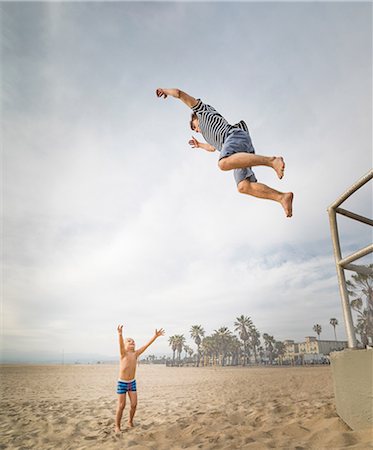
(343, 264)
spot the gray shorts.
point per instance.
(239, 141)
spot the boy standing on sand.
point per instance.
(127, 371)
(236, 149)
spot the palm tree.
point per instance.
(210, 350)
(254, 340)
(235, 350)
(196, 333)
(317, 329)
(173, 344)
(222, 336)
(261, 353)
(243, 325)
(268, 343)
(187, 350)
(190, 352)
(361, 288)
(334, 322)
(280, 350)
(180, 342)
(362, 320)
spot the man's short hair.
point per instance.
(193, 117)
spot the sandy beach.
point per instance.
(73, 406)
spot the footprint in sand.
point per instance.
(90, 438)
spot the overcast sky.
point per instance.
(110, 217)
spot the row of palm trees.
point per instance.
(223, 347)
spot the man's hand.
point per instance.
(194, 143)
(159, 332)
(120, 328)
(161, 93)
(177, 93)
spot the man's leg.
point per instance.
(120, 407)
(243, 159)
(133, 399)
(261, 190)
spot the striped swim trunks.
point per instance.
(125, 386)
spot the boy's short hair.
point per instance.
(193, 117)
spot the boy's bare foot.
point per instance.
(278, 165)
(117, 429)
(130, 424)
(287, 203)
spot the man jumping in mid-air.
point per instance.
(235, 146)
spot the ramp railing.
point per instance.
(345, 263)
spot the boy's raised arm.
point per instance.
(157, 333)
(121, 342)
(177, 93)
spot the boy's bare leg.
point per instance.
(242, 160)
(261, 190)
(120, 407)
(133, 399)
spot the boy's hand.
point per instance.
(161, 93)
(194, 143)
(120, 328)
(159, 332)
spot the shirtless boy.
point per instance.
(236, 150)
(127, 371)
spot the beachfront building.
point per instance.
(312, 345)
(309, 346)
(291, 353)
(311, 350)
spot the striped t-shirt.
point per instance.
(214, 127)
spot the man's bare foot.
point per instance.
(278, 165)
(117, 429)
(287, 203)
(130, 424)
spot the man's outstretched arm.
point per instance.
(144, 347)
(177, 93)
